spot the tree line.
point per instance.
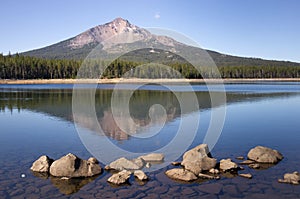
(25, 67)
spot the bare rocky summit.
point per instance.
(107, 31)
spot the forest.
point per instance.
(26, 67)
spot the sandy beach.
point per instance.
(137, 80)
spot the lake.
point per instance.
(38, 119)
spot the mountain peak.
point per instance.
(102, 33)
(119, 24)
(120, 20)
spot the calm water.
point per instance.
(38, 119)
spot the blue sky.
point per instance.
(254, 28)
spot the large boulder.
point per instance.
(71, 166)
(291, 178)
(228, 165)
(42, 164)
(153, 157)
(120, 177)
(181, 174)
(123, 163)
(197, 160)
(263, 154)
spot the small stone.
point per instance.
(228, 165)
(140, 175)
(153, 157)
(120, 177)
(123, 164)
(247, 162)
(291, 178)
(254, 166)
(93, 160)
(148, 165)
(240, 158)
(64, 178)
(214, 171)
(245, 175)
(181, 174)
(205, 176)
(176, 163)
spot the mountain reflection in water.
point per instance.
(58, 103)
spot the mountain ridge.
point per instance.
(79, 46)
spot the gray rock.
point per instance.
(245, 175)
(196, 160)
(202, 164)
(228, 165)
(291, 178)
(123, 164)
(139, 162)
(175, 163)
(247, 162)
(148, 165)
(93, 160)
(214, 171)
(240, 158)
(72, 166)
(264, 155)
(254, 166)
(42, 164)
(140, 175)
(205, 176)
(153, 157)
(181, 174)
(120, 177)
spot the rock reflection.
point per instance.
(72, 185)
(43, 175)
(263, 166)
(66, 186)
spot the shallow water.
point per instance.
(38, 119)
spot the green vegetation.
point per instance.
(24, 67)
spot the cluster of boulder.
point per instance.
(68, 166)
(71, 166)
(197, 163)
(125, 168)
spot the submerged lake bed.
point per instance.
(38, 119)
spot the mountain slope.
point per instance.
(105, 38)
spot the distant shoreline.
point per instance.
(137, 80)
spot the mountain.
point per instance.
(109, 43)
